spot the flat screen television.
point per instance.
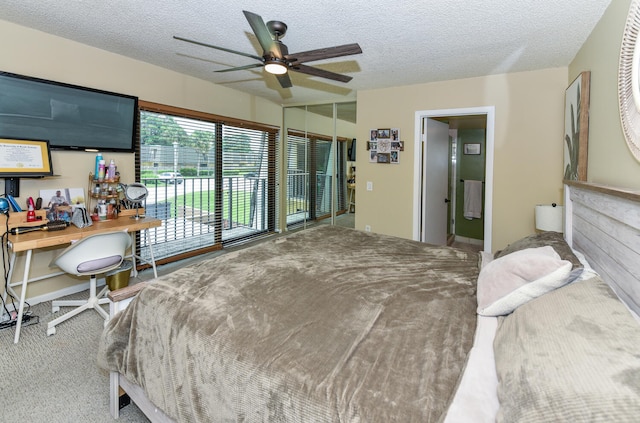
(69, 116)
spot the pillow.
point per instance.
(569, 356)
(554, 239)
(507, 282)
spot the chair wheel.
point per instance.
(51, 331)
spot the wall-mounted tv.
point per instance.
(69, 116)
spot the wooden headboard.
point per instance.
(603, 223)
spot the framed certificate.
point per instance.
(24, 158)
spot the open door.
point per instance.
(435, 201)
(422, 195)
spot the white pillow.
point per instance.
(507, 282)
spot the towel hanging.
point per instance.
(472, 199)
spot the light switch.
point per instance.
(369, 186)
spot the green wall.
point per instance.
(469, 167)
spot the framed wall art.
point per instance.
(472, 149)
(384, 157)
(576, 128)
(385, 145)
(24, 158)
(628, 85)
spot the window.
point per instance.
(212, 180)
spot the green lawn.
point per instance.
(204, 200)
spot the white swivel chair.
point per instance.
(89, 256)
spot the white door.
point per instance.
(435, 183)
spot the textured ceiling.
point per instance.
(403, 42)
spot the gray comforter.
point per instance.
(327, 324)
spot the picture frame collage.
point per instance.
(384, 146)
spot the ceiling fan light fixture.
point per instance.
(275, 58)
(275, 67)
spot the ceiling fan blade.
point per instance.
(253, 56)
(262, 33)
(309, 70)
(284, 80)
(325, 53)
(245, 67)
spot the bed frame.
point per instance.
(601, 222)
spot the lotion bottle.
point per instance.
(97, 169)
(101, 170)
(111, 173)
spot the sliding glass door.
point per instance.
(316, 143)
(212, 180)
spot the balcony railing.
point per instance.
(187, 209)
(299, 197)
(188, 213)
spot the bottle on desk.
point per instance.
(102, 210)
(111, 171)
(31, 213)
(112, 209)
(101, 170)
(97, 169)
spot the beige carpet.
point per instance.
(55, 378)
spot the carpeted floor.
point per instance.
(55, 378)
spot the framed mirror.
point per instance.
(628, 80)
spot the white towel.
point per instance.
(472, 199)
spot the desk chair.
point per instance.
(89, 256)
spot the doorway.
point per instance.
(422, 200)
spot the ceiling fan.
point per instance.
(275, 55)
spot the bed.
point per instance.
(333, 324)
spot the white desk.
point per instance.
(40, 239)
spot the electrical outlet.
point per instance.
(369, 186)
(367, 228)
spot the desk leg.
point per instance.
(135, 256)
(23, 295)
(153, 260)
